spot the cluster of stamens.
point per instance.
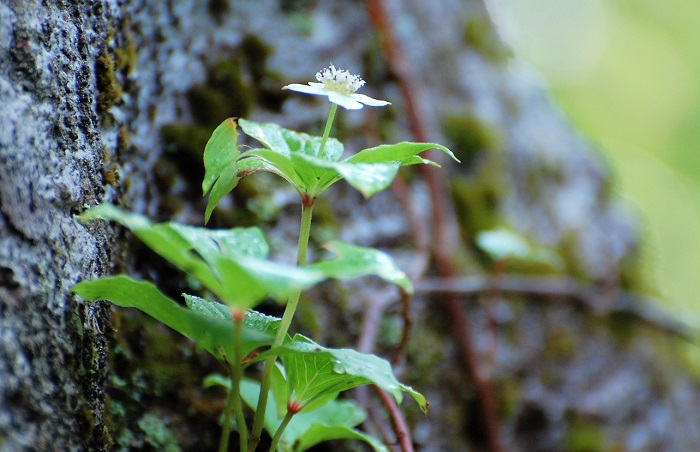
(340, 81)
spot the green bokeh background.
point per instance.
(627, 75)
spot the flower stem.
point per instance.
(327, 130)
(304, 232)
(233, 401)
(280, 430)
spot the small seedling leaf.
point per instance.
(332, 421)
(220, 173)
(315, 372)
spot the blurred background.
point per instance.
(627, 75)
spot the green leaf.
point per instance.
(220, 173)
(227, 261)
(315, 372)
(208, 308)
(212, 244)
(263, 323)
(161, 238)
(227, 181)
(246, 281)
(220, 152)
(402, 154)
(331, 421)
(319, 432)
(417, 396)
(353, 261)
(205, 327)
(295, 157)
(372, 170)
(279, 164)
(253, 320)
(368, 178)
(288, 142)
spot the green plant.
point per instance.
(296, 398)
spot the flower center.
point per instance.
(339, 80)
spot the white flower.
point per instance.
(339, 86)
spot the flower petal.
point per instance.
(369, 100)
(319, 91)
(343, 100)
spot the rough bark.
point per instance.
(114, 101)
(52, 347)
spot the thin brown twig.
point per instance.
(403, 436)
(366, 341)
(407, 323)
(443, 215)
(562, 288)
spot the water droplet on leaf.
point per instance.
(338, 367)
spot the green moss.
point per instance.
(622, 326)
(225, 94)
(110, 171)
(157, 433)
(470, 136)
(479, 34)
(107, 84)
(583, 435)
(632, 275)
(255, 52)
(126, 57)
(509, 396)
(425, 350)
(476, 201)
(187, 141)
(561, 344)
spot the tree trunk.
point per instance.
(114, 101)
(52, 151)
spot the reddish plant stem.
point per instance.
(446, 238)
(403, 437)
(366, 342)
(405, 332)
